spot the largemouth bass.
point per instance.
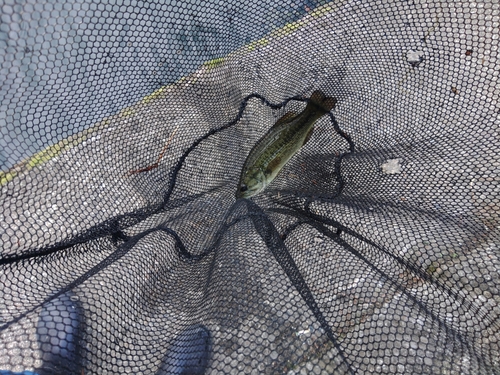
(279, 144)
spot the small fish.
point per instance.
(279, 144)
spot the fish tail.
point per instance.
(320, 100)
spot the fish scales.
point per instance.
(279, 144)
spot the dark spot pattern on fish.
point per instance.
(280, 144)
(273, 165)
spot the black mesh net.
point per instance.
(125, 126)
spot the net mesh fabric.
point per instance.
(375, 250)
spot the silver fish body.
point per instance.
(279, 144)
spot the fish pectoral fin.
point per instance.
(287, 117)
(308, 136)
(275, 163)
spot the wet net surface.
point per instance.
(375, 250)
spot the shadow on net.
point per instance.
(292, 204)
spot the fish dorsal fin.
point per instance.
(287, 117)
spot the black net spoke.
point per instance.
(125, 132)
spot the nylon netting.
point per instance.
(124, 128)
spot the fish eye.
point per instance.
(243, 188)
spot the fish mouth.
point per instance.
(239, 194)
(243, 195)
(247, 193)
